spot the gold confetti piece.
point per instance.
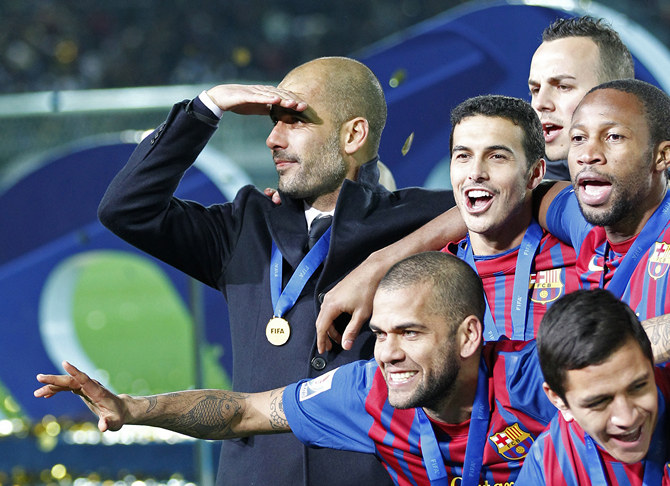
(408, 144)
(397, 78)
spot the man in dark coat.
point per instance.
(329, 114)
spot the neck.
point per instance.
(504, 238)
(634, 222)
(325, 202)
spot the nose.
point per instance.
(624, 413)
(541, 100)
(478, 169)
(277, 137)
(586, 153)
(389, 350)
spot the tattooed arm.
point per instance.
(658, 330)
(204, 414)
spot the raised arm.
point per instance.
(354, 294)
(543, 195)
(203, 414)
(658, 330)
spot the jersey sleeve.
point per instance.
(565, 219)
(532, 471)
(524, 381)
(329, 411)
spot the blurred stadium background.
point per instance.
(80, 82)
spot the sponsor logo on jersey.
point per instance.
(316, 385)
(513, 442)
(593, 266)
(546, 286)
(659, 260)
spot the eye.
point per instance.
(460, 156)
(499, 156)
(534, 90)
(614, 137)
(408, 333)
(598, 405)
(577, 138)
(379, 335)
(564, 87)
(639, 387)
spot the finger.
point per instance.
(87, 388)
(324, 322)
(353, 329)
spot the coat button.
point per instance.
(318, 363)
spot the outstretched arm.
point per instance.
(354, 294)
(203, 414)
(658, 330)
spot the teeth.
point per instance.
(630, 436)
(478, 193)
(406, 375)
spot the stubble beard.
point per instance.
(433, 390)
(320, 172)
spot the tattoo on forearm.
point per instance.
(658, 330)
(152, 403)
(212, 417)
(277, 417)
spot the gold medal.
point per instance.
(278, 331)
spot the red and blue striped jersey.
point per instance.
(647, 288)
(553, 275)
(348, 409)
(559, 458)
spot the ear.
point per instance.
(558, 402)
(662, 162)
(470, 336)
(537, 174)
(355, 134)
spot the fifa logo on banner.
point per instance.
(659, 260)
(546, 286)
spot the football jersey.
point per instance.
(598, 260)
(559, 456)
(553, 274)
(348, 409)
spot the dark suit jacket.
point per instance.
(227, 246)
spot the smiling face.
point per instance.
(492, 181)
(306, 146)
(615, 402)
(561, 72)
(612, 162)
(415, 348)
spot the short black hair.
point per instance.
(585, 328)
(655, 103)
(616, 61)
(516, 110)
(457, 291)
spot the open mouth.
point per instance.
(400, 376)
(632, 436)
(478, 200)
(550, 131)
(593, 190)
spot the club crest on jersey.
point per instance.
(513, 442)
(659, 260)
(546, 285)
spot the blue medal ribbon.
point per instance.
(654, 461)
(524, 265)
(282, 301)
(651, 231)
(474, 451)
